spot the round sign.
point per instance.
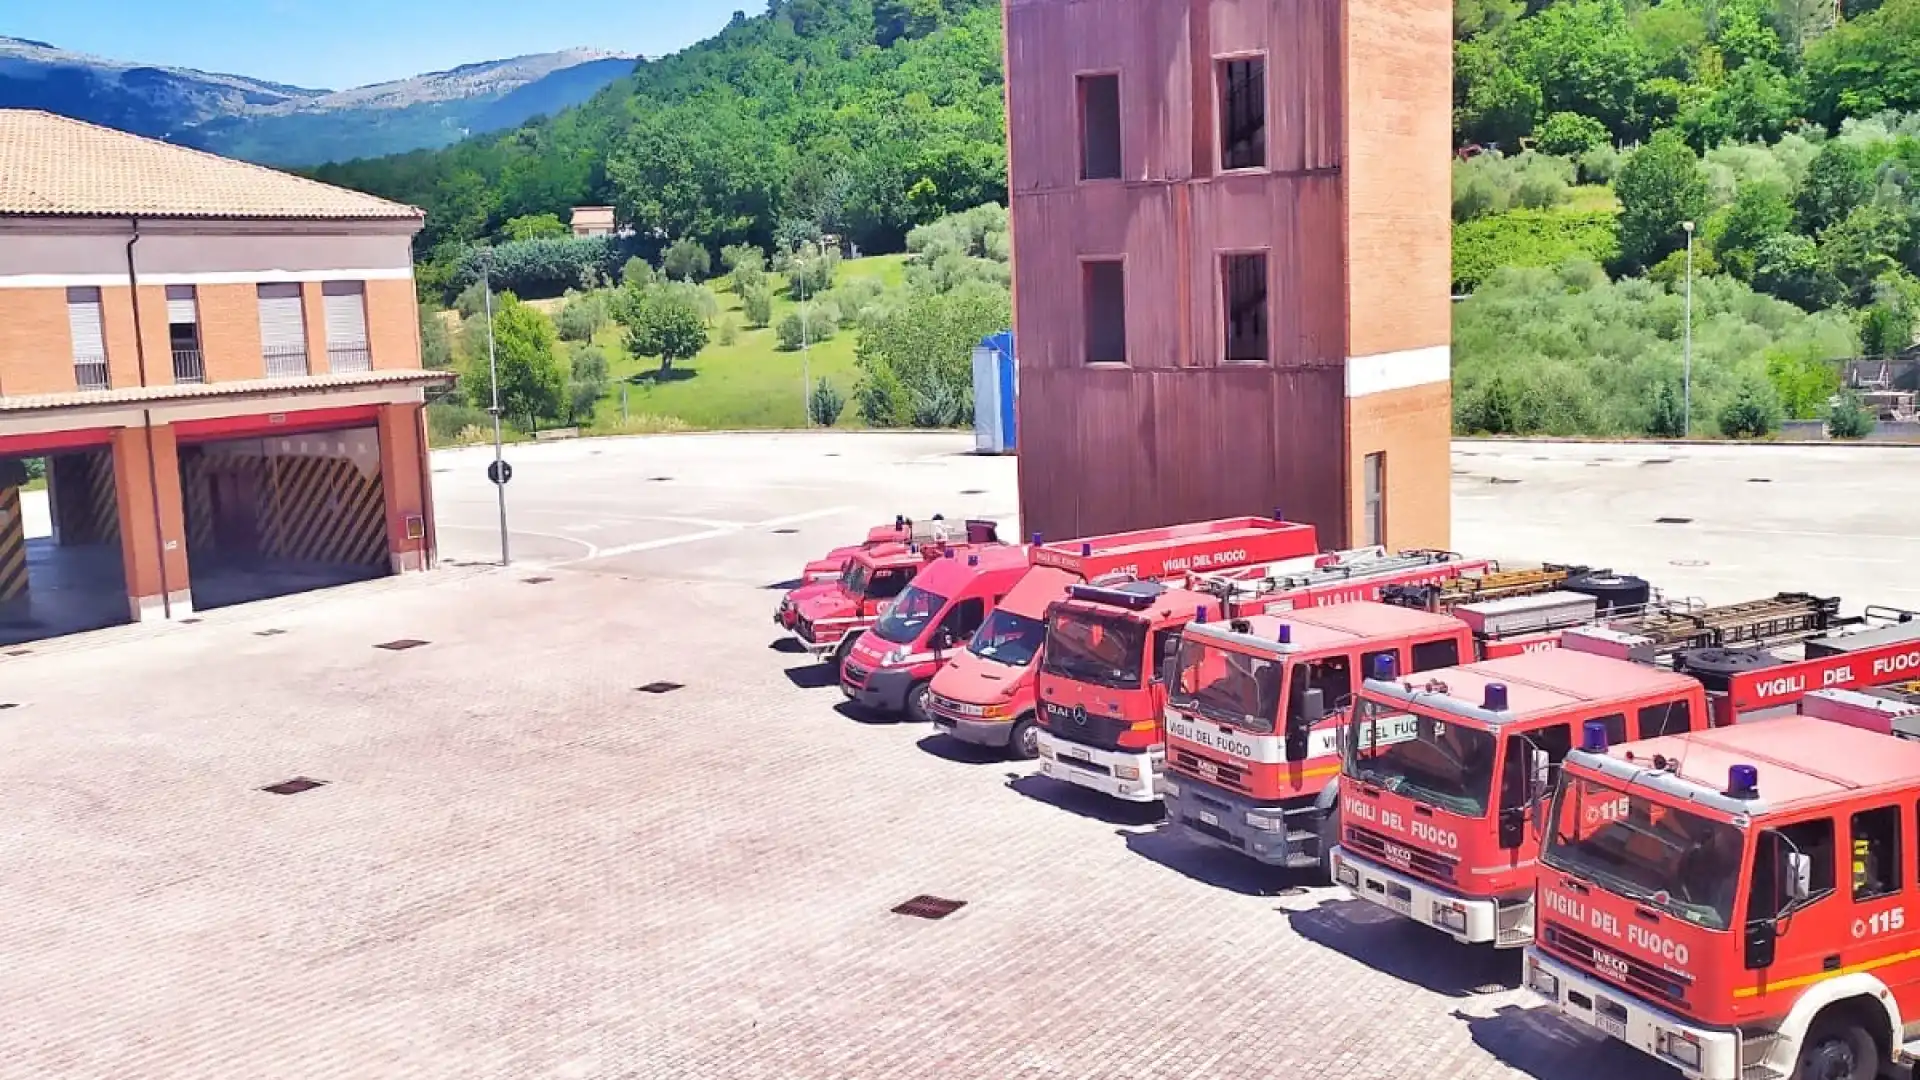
(499, 472)
(1859, 928)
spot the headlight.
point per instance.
(1045, 750)
(1127, 772)
(894, 657)
(1345, 874)
(1264, 823)
(1450, 917)
(1681, 1047)
(993, 712)
(1543, 982)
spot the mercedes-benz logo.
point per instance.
(1080, 715)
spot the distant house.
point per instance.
(593, 221)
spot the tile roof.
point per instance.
(145, 395)
(56, 166)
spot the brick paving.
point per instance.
(522, 867)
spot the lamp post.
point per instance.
(493, 380)
(1686, 343)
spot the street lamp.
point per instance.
(1686, 343)
(493, 380)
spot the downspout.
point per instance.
(146, 425)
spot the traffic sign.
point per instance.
(499, 472)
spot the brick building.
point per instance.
(218, 366)
(1231, 244)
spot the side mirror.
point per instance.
(1539, 772)
(1799, 876)
(1313, 707)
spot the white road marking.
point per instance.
(708, 534)
(591, 550)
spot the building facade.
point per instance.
(217, 367)
(1231, 245)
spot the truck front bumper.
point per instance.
(1469, 920)
(992, 733)
(1130, 775)
(879, 689)
(1217, 817)
(1700, 1053)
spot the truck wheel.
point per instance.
(1713, 665)
(840, 655)
(1836, 1048)
(1612, 591)
(917, 703)
(1023, 742)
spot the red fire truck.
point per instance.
(890, 667)
(985, 694)
(1459, 859)
(828, 623)
(1733, 902)
(819, 574)
(1253, 712)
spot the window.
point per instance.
(1243, 113)
(1166, 644)
(1514, 787)
(283, 330)
(1428, 655)
(1104, 302)
(1243, 280)
(89, 339)
(1331, 678)
(1766, 893)
(345, 304)
(888, 584)
(965, 618)
(1376, 498)
(1099, 127)
(183, 334)
(1616, 727)
(1876, 853)
(1667, 718)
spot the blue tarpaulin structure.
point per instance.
(996, 394)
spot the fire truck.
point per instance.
(819, 574)
(1254, 707)
(829, 622)
(985, 694)
(1733, 902)
(1423, 836)
(1102, 721)
(890, 667)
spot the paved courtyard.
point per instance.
(520, 866)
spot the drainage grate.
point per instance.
(1658, 461)
(785, 532)
(268, 633)
(9, 704)
(294, 786)
(929, 907)
(536, 580)
(19, 652)
(659, 687)
(1687, 562)
(188, 622)
(1759, 480)
(1500, 480)
(403, 643)
(659, 479)
(1672, 521)
(973, 491)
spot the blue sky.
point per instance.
(341, 43)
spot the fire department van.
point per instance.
(817, 577)
(1733, 902)
(1254, 707)
(828, 623)
(985, 695)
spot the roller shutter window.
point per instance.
(89, 338)
(346, 308)
(283, 330)
(182, 309)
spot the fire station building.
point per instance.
(1231, 244)
(216, 369)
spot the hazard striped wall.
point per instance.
(89, 511)
(13, 546)
(326, 510)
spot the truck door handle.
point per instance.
(1831, 963)
(1423, 811)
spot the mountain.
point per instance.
(277, 124)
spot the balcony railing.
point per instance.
(348, 358)
(188, 366)
(284, 361)
(90, 373)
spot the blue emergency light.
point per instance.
(1743, 782)
(1200, 614)
(1277, 515)
(1286, 634)
(1593, 736)
(1383, 668)
(1036, 539)
(899, 521)
(1496, 697)
(947, 554)
(1085, 549)
(973, 560)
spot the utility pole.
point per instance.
(1686, 346)
(493, 378)
(806, 362)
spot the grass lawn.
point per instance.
(750, 383)
(1591, 198)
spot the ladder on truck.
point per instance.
(1251, 583)
(1496, 584)
(1782, 619)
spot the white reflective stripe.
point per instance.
(283, 325)
(834, 622)
(182, 306)
(346, 308)
(83, 319)
(1263, 749)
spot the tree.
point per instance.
(532, 383)
(1585, 59)
(916, 361)
(436, 347)
(896, 19)
(666, 322)
(1501, 102)
(1752, 413)
(757, 302)
(1755, 103)
(583, 316)
(1760, 212)
(825, 403)
(1840, 179)
(1848, 418)
(1865, 247)
(1569, 135)
(588, 382)
(1660, 187)
(1667, 418)
(1867, 64)
(686, 259)
(1789, 267)
(532, 227)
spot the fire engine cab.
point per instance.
(1733, 902)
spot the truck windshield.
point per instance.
(1646, 851)
(1233, 688)
(909, 615)
(1096, 649)
(1430, 759)
(1006, 638)
(862, 581)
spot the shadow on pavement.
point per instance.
(786, 645)
(1087, 804)
(813, 676)
(947, 748)
(862, 715)
(784, 586)
(1537, 1042)
(1407, 950)
(1216, 867)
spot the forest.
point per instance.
(1590, 132)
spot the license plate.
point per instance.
(1611, 1026)
(1404, 907)
(1073, 752)
(1209, 819)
